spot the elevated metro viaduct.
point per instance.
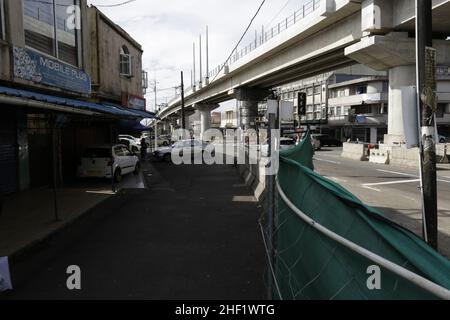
(338, 33)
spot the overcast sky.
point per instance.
(166, 29)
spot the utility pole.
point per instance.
(156, 94)
(207, 56)
(426, 95)
(200, 67)
(193, 66)
(183, 116)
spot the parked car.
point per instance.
(327, 140)
(442, 139)
(127, 136)
(315, 142)
(162, 140)
(130, 143)
(165, 154)
(104, 161)
(285, 144)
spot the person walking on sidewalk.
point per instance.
(144, 147)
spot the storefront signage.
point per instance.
(133, 102)
(33, 66)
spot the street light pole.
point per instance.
(183, 116)
(426, 96)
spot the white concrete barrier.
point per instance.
(402, 156)
(443, 152)
(380, 156)
(355, 151)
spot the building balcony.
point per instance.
(359, 99)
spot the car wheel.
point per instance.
(167, 157)
(137, 169)
(118, 176)
(165, 144)
(442, 141)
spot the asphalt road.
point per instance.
(192, 235)
(393, 190)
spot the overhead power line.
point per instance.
(114, 5)
(278, 14)
(98, 5)
(240, 40)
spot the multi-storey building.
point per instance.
(352, 103)
(50, 111)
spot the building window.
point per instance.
(440, 110)
(331, 112)
(342, 93)
(144, 82)
(2, 22)
(317, 90)
(125, 62)
(309, 91)
(361, 89)
(338, 111)
(48, 28)
(229, 116)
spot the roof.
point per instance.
(77, 105)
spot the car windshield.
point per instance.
(97, 153)
(288, 142)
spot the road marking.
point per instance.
(398, 173)
(329, 161)
(338, 180)
(370, 188)
(409, 198)
(411, 175)
(390, 183)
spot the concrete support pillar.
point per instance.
(373, 135)
(248, 103)
(205, 116)
(402, 76)
(205, 122)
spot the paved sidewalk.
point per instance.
(29, 217)
(192, 235)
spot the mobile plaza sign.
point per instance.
(33, 66)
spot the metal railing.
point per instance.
(263, 37)
(266, 35)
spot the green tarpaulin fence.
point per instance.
(311, 265)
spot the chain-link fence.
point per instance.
(324, 243)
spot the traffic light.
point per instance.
(302, 104)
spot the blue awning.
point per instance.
(76, 104)
(132, 126)
(140, 113)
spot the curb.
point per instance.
(28, 248)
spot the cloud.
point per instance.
(167, 29)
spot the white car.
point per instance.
(162, 141)
(107, 161)
(130, 143)
(197, 147)
(285, 144)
